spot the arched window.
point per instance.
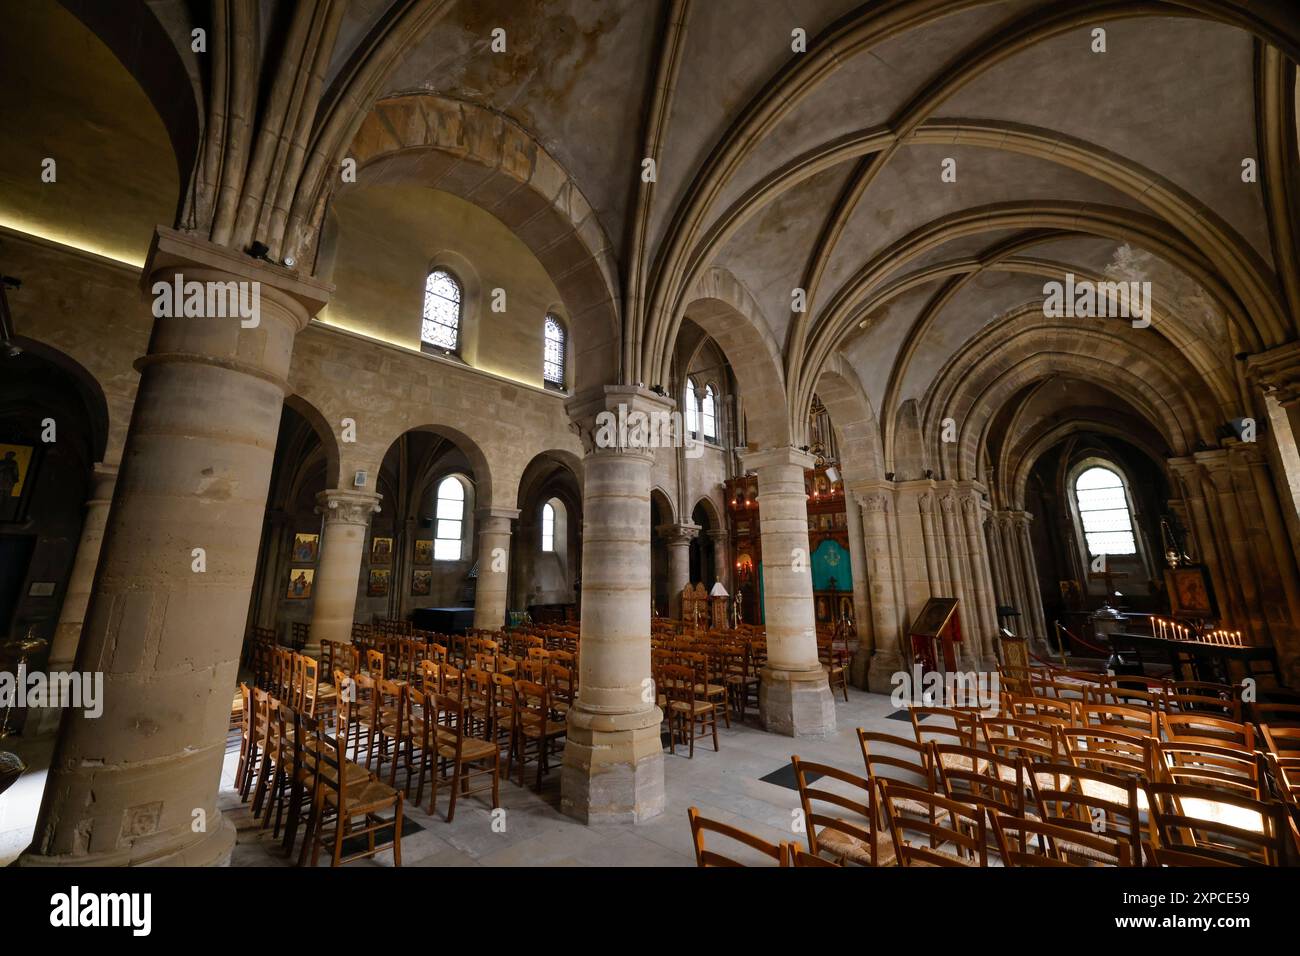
(692, 408)
(548, 527)
(709, 414)
(1104, 511)
(441, 325)
(553, 352)
(451, 520)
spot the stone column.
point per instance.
(1032, 612)
(166, 620)
(1208, 545)
(63, 652)
(1286, 621)
(613, 758)
(861, 604)
(972, 509)
(888, 656)
(342, 548)
(721, 562)
(794, 697)
(491, 596)
(678, 537)
(1243, 576)
(1277, 371)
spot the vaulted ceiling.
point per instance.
(821, 169)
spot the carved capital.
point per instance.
(625, 420)
(347, 507)
(1277, 371)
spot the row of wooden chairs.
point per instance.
(298, 767)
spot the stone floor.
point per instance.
(727, 786)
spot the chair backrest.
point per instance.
(1024, 841)
(1017, 737)
(308, 684)
(945, 724)
(532, 703)
(1283, 741)
(953, 833)
(1207, 765)
(862, 819)
(1213, 825)
(375, 663)
(1126, 717)
(981, 777)
(798, 856)
(677, 683)
(1207, 728)
(1108, 749)
(1042, 710)
(881, 752)
(707, 857)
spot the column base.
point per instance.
(613, 767)
(796, 703)
(211, 849)
(884, 665)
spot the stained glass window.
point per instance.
(709, 414)
(1103, 509)
(553, 354)
(441, 325)
(451, 518)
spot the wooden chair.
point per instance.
(709, 684)
(1207, 765)
(393, 724)
(533, 727)
(835, 662)
(706, 857)
(915, 762)
(1091, 802)
(467, 756)
(955, 832)
(375, 665)
(982, 778)
(247, 743)
(339, 797)
(855, 835)
(1208, 825)
(742, 685)
(686, 715)
(1043, 710)
(1017, 838)
(798, 856)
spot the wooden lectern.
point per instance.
(937, 624)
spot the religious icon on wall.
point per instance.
(305, 548)
(15, 465)
(300, 580)
(381, 551)
(1189, 592)
(423, 552)
(377, 586)
(846, 608)
(421, 583)
(1071, 593)
(841, 520)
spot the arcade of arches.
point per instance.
(830, 262)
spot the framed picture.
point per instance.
(377, 586)
(1189, 592)
(300, 580)
(934, 617)
(15, 472)
(381, 551)
(306, 548)
(423, 552)
(421, 583)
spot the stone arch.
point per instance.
(841, 392)
(473, 452)
(89, 391)
(1000, 362)
(729, 315)
(328, 440)
(489, 160)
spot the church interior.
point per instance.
(794, 433)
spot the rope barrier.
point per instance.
(1087, 644)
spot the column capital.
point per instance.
(1278, 371)
(768, 457)
(679, 534)
(172, 251)
(347, 507)
(718, 534)
(624, 420)
(103, 478)
(508, 514)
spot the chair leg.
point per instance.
(715, 730)
(456, 772)
(397, 833)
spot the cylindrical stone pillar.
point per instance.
(76, 599)
(613, 758)
(342, 547)
(678, 538)
(491, 595)
(721, 563)
(165, 624)
(794, 697)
